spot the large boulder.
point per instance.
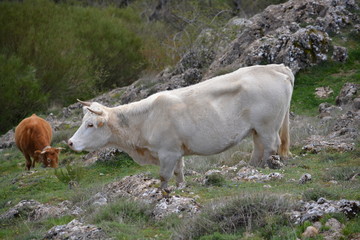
(295, 33)
(143, 188)
(76, 230)
(34, 210)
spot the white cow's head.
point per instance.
(94, 132)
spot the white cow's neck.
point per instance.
(126, 122)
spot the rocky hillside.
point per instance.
(298, 33)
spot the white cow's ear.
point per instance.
(100, 121)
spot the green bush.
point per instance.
(215, 179)
(70, 175)
(74, 52)
(314, 194)
(231, 216)
(123, 211)
(20, 91)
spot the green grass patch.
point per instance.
(352, 227)
(329, 73)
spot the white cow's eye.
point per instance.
(90, 125)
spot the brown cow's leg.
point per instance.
(28, 162)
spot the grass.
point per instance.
(329, 73)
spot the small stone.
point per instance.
(274, 162)
(340, 54)
(323, 92)
(321, 200)
(305, 178)
(310, 232)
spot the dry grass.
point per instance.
(237, 214)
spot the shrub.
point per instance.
(123, 211)
(20, 91)
(315, 194)
(215, 179)
(71, 175)
(236, 214)
(74, 52)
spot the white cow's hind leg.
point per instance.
(271, 143)
(179, 174)
(168, 160)
(258, 151)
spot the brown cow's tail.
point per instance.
(284, 149)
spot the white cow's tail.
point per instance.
(284, 148)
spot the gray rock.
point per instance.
(312, 211)
(356, 104)
(251, 174)
(177, 205)
(274, 162)
(22, 209)
(340, 54)
(334, 232)
(142, 188)
(348, 92)
(192, 76)
(275, 35)
(76, 230)
(305, 178)
(7, 140)
(323, 92)
(34, 211)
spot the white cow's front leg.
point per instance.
(258, 151)
(168, 161)
(179, 173)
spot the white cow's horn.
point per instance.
(94, 111)
(84, 103)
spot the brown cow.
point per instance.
(33, 136)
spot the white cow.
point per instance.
(202, 119)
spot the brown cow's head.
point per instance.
(49, 157)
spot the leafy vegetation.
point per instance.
(64, 52)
